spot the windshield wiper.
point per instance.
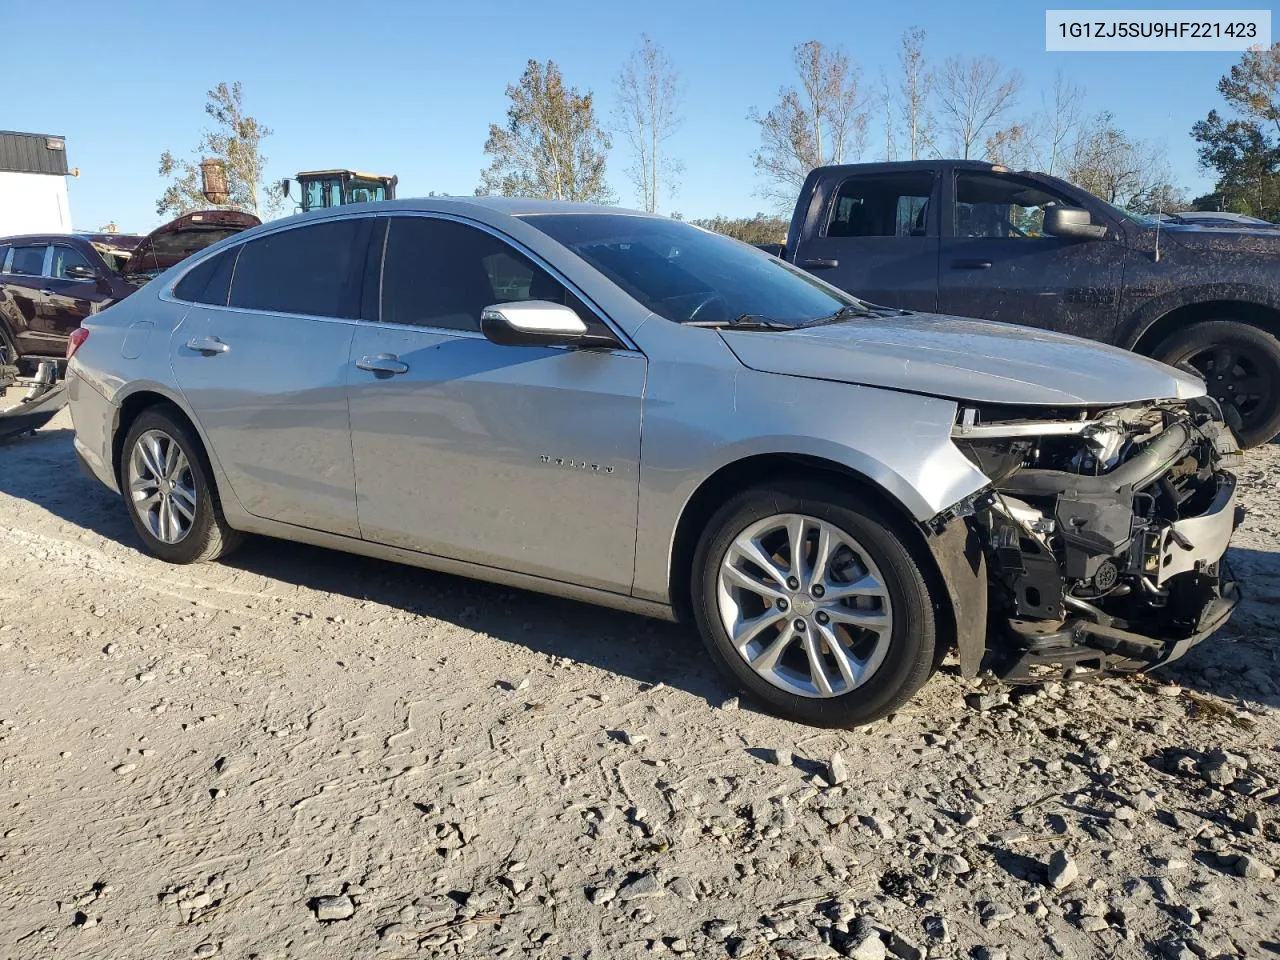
(743, 321)
(845, 313)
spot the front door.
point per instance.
(74, 292)
(879, 240)
(998, 265)
(264, 370)
(521, 458)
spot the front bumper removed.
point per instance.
(1192, 594)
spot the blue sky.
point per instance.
(410, 88)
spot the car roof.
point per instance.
(41, 238)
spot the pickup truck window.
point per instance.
(992, 205)
(882, 205)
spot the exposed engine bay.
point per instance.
(1104, 532)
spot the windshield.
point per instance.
(687, 274)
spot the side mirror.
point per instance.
(538, 323)
(79, 271)
(284, 187)
(1072, 223)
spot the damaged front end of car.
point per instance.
(1103, 533)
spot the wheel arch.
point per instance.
(145, 397)
(1161, 319)
(738, 475)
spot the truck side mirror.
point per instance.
(1072, 223)
(284, 187)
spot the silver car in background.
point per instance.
(628, 410)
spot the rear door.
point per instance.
(879, 239)
(71, 296)
(264, 368)
(524, 458)
(22, 282)
(997, 264)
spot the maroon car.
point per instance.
(49, 283)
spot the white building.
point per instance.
(33, 184)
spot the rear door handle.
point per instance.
(970, 264)
(207, 345)
(819, 264)
(383, 365)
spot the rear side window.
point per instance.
(308, 270)
(440, 273)
(28, 261)
(209, 281)
(882, 205)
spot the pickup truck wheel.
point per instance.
(810, 601)
(1241, 365)
(168, 490)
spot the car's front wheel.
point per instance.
(169, 492)
(1240, 364)
(811, 601)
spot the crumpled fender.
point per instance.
(34, 411)
(958, 552)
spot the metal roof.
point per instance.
(32, 153)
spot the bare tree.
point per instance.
(1058, 124)
(1129, 173)
(974, 96)
(236, 139)
(648, 114)
(915, 89)
(551, 146)
(1012, 147)
(886, 102)
(822, 121)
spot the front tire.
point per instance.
(835, 632)
(169, 493)
(1241, 365)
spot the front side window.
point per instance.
(307, 270)
(441, 273)
(65, 257)
(28, 261)
(992, 205)
(687, 274)
(882, 205)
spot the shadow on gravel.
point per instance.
(1237, 662)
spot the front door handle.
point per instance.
(209, 346)
(819, 264)
(383, 365)
(971, 264)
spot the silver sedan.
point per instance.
(631, 411)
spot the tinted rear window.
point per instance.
(308, 270)
(210, 281)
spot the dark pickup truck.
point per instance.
(977, 240)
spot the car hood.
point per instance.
(178, 239)
(964, 360)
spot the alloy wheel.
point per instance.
(804, 605)
(162, 486)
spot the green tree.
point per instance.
(762, 228)
(236, 139)
(551, 146)
(1244, 150)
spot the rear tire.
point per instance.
(1241, 365)
(168, 490)
(866, 594)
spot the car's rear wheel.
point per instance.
(812, 602)
(1241, 366)
(169, 492)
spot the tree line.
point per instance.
(554, 142)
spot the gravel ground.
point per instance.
(300, 754)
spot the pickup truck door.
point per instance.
(997, 265)
(876, 236)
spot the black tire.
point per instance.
(1241, 364)
(911, 656)
(8, 349)
(208, 536)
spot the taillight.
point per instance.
(78, 336)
